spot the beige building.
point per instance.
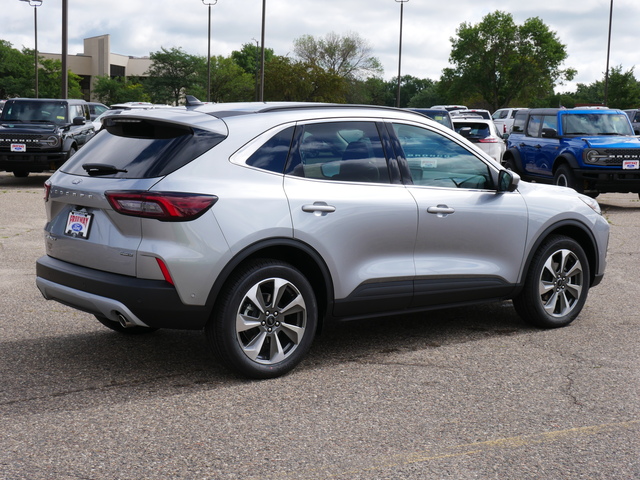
(97, 60)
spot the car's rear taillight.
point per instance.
(47, 190)
(489, 140)
(164, 206)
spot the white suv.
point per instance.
(260, 222)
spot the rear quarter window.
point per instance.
(143, 148)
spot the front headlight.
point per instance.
(51, 141)
(591, 203)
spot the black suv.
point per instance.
(38, 134)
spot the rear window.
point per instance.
(472, 130)
(142, 149)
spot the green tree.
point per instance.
(248, 58)
(623, 90)
(426, 96)
(50, 80)
(371, 91)
(119, 90)
(172, 73)
(16, 72)
(229, 82)
(290, 80)
(500, 62)
(347, 56)
(410, 87)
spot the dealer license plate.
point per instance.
(18, 147)
(78, 224)
(631, 164)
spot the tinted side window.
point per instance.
(534, 126)
(273, 154)
(550, 121)
(435, 160)
(518, 122)
(340, 151)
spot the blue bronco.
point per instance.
(590, 150)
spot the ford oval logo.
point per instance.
(76, 181)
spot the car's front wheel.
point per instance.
(556, 285)
(509, 164)
(265, 321)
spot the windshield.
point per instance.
(35, 112)
(596, 124)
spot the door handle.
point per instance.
(441, 210)
(319, 208)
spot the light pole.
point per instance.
(209, 4)
(35, 4)
(606, 73)
(261, 96)
(401, 2)
(65, 50)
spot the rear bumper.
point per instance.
(152, 303)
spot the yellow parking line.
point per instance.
(465, 450)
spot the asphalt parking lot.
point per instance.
(467, 393)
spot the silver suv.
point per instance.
(260, 222)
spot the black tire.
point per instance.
(115, 326)
(72, 152)
(564, 177)
(509, 164)
(275, 336)
(556, 285)
(21, 173)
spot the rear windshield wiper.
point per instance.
(95, 169)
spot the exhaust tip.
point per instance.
(124, 321)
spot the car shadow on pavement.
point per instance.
(104, 367)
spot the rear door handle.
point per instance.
(319, 208)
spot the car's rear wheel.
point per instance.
(556, 285)
(564, 177)
(137, 330)
(265, 321)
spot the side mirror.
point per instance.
(508, 181)
(505, 136)
(79, 120)
(549, 133)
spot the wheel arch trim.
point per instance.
(295, 252)
(575, 230)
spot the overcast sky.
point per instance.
(139, 27)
